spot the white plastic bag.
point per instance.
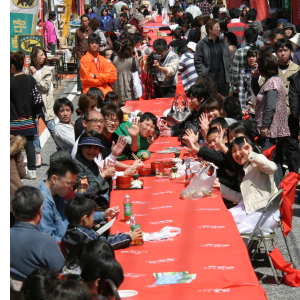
(165, 233)
(137, 85)
(201, 184)
(68, 55)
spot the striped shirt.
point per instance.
(238, 28)
(187, 69)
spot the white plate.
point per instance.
(127, 293)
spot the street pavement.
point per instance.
(260, 263)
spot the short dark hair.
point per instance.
(26, 202)
(160, 44)
(268, 65)
(218, 121)
(198, 91)
(111, 109)
(182, 49)
(281, 43)
(78, 207)
(251, 35)
(253, 51)
(60, 102)
(251, 14)
(231, 37)
(68, 289)
(212, 130)
(35, 284)
(59, 155)
(274, 33)
(234, 12)
(61, 166)
(232, 107)
(84, 16)
(103, 266)
(96, 92)
(148, 116)
(124, 15)
(177, 33)
(178, 10)
(17, 59)
(213, 103)
(110, 97)
(93, 37)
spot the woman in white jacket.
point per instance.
(42, 74)
(255, 174)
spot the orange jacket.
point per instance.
(105, 78)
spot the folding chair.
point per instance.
(255, 240)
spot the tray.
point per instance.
(118, 189)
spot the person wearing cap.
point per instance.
(89, 147)
(50, 33)
(289, 30)
(193, 9)
(222, 14)
(296, 48)
(95, 70)
(186, 65)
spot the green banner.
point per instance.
(27, 42)
(287, 4)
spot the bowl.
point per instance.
(123, 182)
(145, 171)
(169, 164)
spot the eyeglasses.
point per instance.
(95, 121)
(69, 184)
(91, 147)
(112, 121)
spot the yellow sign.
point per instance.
(25, 4)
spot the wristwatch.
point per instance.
(95, 76)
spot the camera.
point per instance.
(150, 61)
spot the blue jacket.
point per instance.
(103, 21)
(31, 249)
(113, 25)
(76, 234)
(54, 220)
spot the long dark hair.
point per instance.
(127, 49)
(240, 141)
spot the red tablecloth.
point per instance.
(209, 244)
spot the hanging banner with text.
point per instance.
(23, 19)
(261, 7)
(296, 12)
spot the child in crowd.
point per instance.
(255, 174)
(233, 108)
(80, 214)
(112, 98)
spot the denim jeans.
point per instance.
(30, 153)
(36, 140)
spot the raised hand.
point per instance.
(84, 182)
(194, 137)
(246, 148)
(108, 169)
(112, 212)
(135, 129)
(203, 119)
(191, 147)
(117, 148)
(126, 109)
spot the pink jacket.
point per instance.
(50, 33)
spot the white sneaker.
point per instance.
(31, 175)
(78, 93)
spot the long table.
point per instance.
(209, 244)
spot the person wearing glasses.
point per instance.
(63, 132)
(59, 185)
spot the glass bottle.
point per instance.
(127, 208)
(188, 171)
(133, 226)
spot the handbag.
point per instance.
(137, 84)
(37, 100)
(176, 115)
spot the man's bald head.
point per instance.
(93, 120)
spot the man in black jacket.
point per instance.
(183, 16)
(294, 101)
(212, 57)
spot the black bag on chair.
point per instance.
(176, 115)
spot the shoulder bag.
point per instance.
(176, 115)
(37, 100)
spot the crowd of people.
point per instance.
(241, 77)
